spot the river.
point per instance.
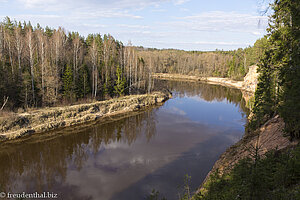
(126, 157)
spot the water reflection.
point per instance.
(45, 159)
(128, 156)
(205, 92)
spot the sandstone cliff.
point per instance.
(250, 80)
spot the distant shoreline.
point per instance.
(210, 80)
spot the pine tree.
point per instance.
(285, 36)
(108, 88)
(83, 83)
(120, 82)
(264, 97)
(68, 82)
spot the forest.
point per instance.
(50, 67)
(219, 63)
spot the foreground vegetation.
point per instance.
(276, 175)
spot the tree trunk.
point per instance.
(30, 48)
(4, 102)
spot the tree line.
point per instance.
(46, 67)
(232, 64)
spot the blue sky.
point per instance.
(180, 24)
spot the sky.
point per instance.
(180, 24)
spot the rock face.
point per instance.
(52, 118)
(250, 80)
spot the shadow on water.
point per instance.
(127, 156)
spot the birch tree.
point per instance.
(19, 44)
(94, 55)
(31, 46)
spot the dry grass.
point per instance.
(6, 114)
(45, 119)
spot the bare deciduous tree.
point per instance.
(19, 45)
(31, 46)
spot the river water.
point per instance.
(126, 157)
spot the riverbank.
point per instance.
(47, 119)
(269, 137)
(248, 85)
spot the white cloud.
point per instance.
(175, 110)
(94, 25)
(184, 10)
(102, 4)
(38, 16)
(205, 43)
(222, 21)
(159, 10)
(256, 33)
(98, 14)
(39, 3)
(134, 26)
(63, 5)
(180, 2)
(77, 9)
(222, 43)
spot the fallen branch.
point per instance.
(5, 101)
